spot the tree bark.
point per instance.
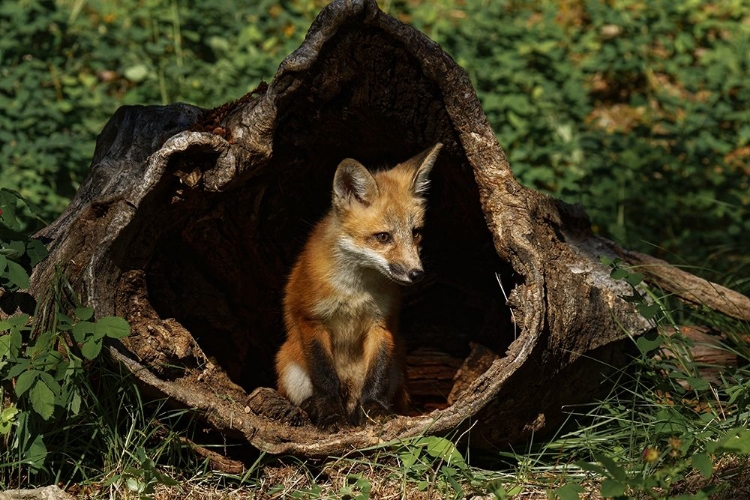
(189, 221)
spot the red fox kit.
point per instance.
(341, 359)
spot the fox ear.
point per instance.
(422, 165)
(353, 180)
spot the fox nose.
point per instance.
(416, 275)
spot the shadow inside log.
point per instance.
(190, 222)
(217, 262)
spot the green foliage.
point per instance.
(66, 415)
(357, 487)
(142, 478)
(46, 368)
(570, 491)
(663, 420)
(18, 251)
(46, 360)
(435, 464)
(66, 66)
(50, 111)
(635, 109)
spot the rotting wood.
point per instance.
(686, 286)
(477, 362)
(710, 358)
(189, 235)
(430, 374)
(216, 460)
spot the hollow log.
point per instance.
(190, 220)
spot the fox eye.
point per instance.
(383, 237)
(416, 232)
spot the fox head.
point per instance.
(381, 215)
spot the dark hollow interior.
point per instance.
(219, 261)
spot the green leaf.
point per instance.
(612, 488)
(33, 207)
(62, 366)
(698, 383)
(612, 467)
(17, 249)
(3, 263)
(448, 471)
(15, 343)
(50, 382)
(81, 329)
(589, 467)
(64, 323)
(134, 485)
(41, 347)
(75, 366)
(110, 480)
(136, 73)
(634, 279)
(669, 421)
(165, 479)
(496, 488)
(21, 366)
(618, 274)
(736, 440)
(649, 341)
(36, 251)
(17, 275)
(18, 320)
(648, 311)
(5, 427)
(8, 207)
(42, 400)
(7, 418)
(91, 348)
(409, 458)
(363, 484)
(84, 313)
(608, 261)
(10, 253)
(516, 490)
(113, 327)
(36, 453)
(456, 487)
(703, 463)
(4, 345)
(25, 381)
(75, 403)
(570, 491)
(439, 447)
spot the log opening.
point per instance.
(190, 222)
(217, 263)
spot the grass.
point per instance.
(668, 428)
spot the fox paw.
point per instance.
(326, 413)
(375, 411)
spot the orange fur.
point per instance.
(341, 302)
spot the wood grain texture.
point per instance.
(190, 234)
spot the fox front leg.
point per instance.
(307, 376)
(325, 406)
(383, 392)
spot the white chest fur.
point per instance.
(362, 302)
